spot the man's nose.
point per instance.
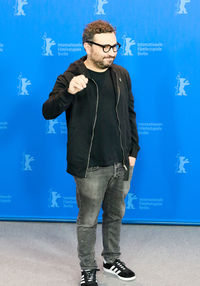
(112, 53)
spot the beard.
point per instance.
(106, 62)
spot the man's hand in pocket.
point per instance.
(132, 161)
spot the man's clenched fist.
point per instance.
(77, 84)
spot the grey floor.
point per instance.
(44, 254)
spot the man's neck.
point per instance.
(90, 66)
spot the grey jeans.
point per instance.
(104, 187)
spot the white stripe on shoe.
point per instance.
(122, 278)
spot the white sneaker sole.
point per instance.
(122, 278)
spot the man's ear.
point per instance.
(87, 48)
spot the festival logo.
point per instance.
(27, 159)
(181, 161)
(99, 7)
(51, 129)
(146, 204)
(130, 201)
(53, 198)
(51, 123)
(61, 49)
(148, 128)
(19, 11)
(47, 46)
(180, 87)
(57, 200)
(23, 84)
(127, 44)
(130, 47)
(181, 6)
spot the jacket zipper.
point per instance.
(93, 126)
(118, 96)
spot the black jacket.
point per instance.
(81, 113)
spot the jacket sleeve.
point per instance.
(59, 99)
(134, 147)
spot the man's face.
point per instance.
(99, 58)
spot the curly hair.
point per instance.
(96, 27)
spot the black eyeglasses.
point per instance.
(106, 48)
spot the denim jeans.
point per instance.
(104, 187)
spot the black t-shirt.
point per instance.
(106, 148)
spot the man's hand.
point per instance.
(132, 161)
(77, 83)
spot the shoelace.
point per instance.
(120, 264)
(91, 274)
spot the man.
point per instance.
(102, 145)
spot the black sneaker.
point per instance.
(88, 277)
(119, 269)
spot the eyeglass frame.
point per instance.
(103, 46)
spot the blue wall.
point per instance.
(160, 48)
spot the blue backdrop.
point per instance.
(160, 49)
